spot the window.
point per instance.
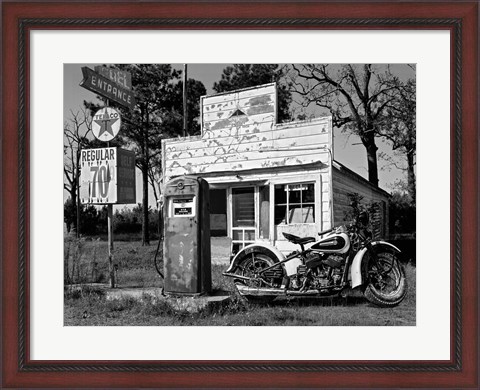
(243, 223)
(294, 203)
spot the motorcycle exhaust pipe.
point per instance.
(246, 290)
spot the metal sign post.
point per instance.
(111, 267)
(108, 174)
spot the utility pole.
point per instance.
(79, 151)
(185, 108)
(111, 266)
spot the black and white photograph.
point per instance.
(208, 194)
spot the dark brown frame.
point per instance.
(461, 18)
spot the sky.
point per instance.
(347, 148)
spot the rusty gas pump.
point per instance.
(186, 250)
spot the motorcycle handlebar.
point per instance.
(329, 230)
(325, 232)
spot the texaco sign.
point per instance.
(106, 124)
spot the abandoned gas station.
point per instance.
(265, 177)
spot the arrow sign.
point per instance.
(107, 88)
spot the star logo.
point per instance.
(106, 124)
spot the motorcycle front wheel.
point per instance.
(387, 285)
(250, 267)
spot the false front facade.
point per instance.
(266, 178)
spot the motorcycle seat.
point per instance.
(298, 240)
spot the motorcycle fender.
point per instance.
(268, 249)
(356, 268)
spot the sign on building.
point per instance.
(107, 88)
(106, 124)
(107, 176)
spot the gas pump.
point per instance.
(187, 259)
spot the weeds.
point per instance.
(88, 305)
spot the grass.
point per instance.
(88, 306)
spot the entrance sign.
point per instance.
(107, 176)
(109, 89)
(106, 124)
(119, 76)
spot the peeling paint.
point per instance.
(189, 167)
(250, 137)
(218, 151)
(222, 124)
(260, 110)
(260, 100)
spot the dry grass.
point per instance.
(89, 306)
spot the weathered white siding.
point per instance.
(240, 133)
(346, 182)
(241, 145)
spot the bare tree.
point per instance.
(399, 128)
(75, 135)
(356, 96)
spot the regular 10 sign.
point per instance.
(107, 176)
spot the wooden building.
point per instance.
(266, 177)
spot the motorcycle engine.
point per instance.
(334, 261)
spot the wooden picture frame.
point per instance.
(461, 19)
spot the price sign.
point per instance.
(107, 176)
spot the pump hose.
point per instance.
(155, 259)
(160, 222)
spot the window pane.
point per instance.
(280, 194)
(280, 214)
(236, 247)
(305, 214)
(264, 225)
(243, 206)
(308, 195)
(308, 213)
(237, 235)
(295, 192)
(249, 235)
(295, 214)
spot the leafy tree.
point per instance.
(89, 217)
(70, 213)
(402, 214)
(357, 97)
(157, 114)
(399, 127)
(249, 75)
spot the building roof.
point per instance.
(342, 168)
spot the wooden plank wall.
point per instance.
(344, 183)
(239, 132)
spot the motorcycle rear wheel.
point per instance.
(250, 266)
(387, 285)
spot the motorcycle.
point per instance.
(344, 258)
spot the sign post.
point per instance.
(108, 177)
(111, 267)
(108, 173)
